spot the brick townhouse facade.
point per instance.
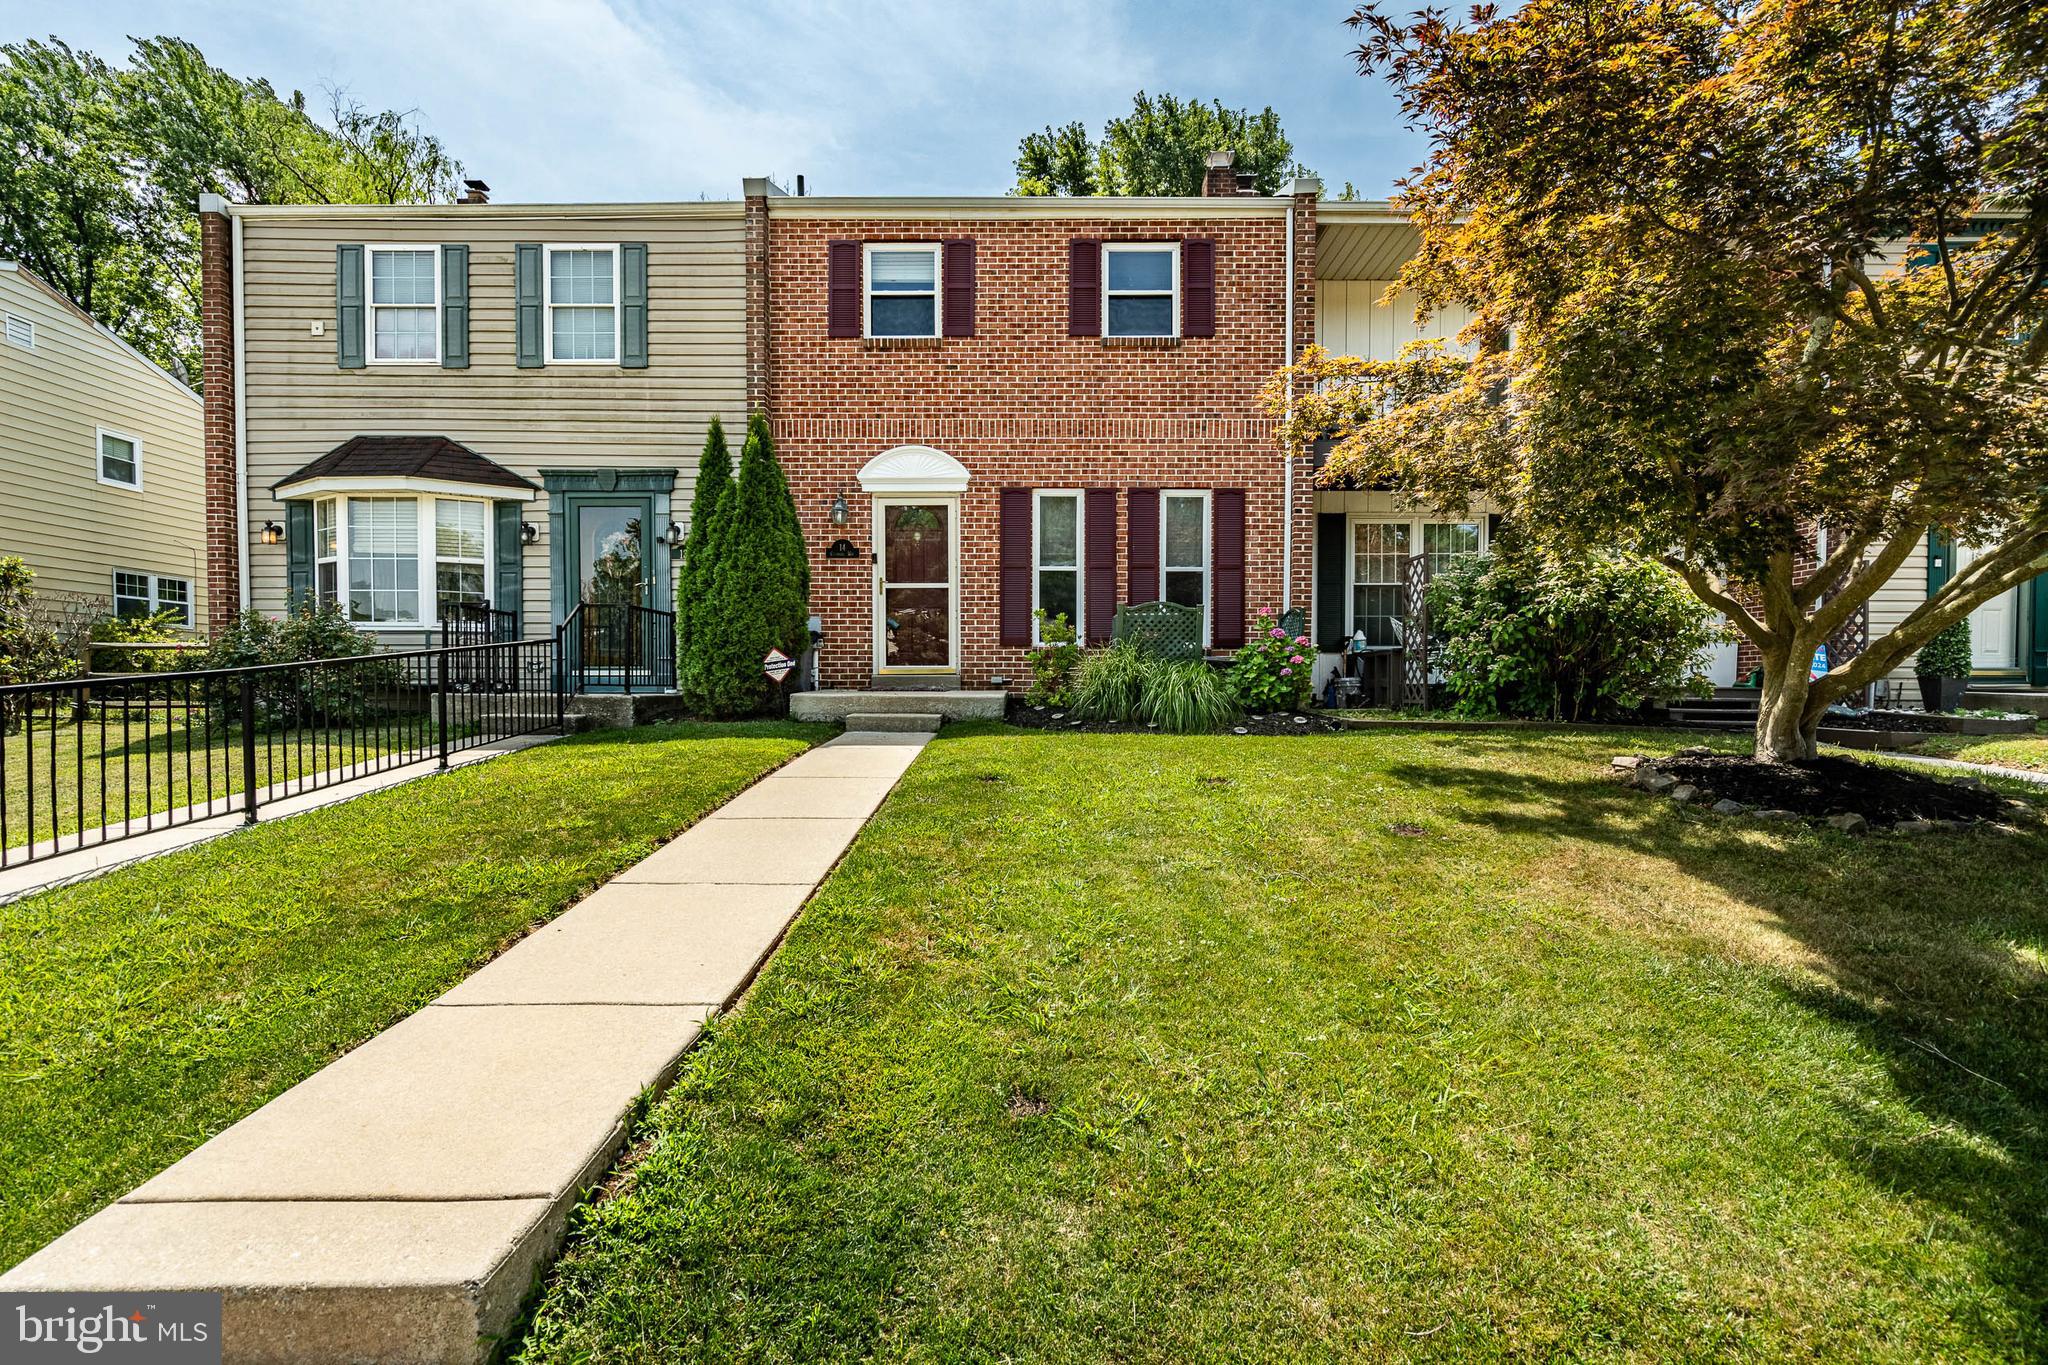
(1042, 438)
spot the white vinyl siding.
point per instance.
(1351, 320)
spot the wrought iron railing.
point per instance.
(93, 760)
(618, 647)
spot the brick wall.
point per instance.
(1805, 560)
(1023, 405)
(217, 368)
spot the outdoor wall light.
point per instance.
(675, 533)
(529, 532)
(272, 533)
(840, 515)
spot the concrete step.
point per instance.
(838, 704)
(2008, 699)
(897, 722)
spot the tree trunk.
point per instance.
(1785, 731)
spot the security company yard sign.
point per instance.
(777, 665)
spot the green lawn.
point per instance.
(2007, 751)
(143, 1011)
(1385, 1045)
(169, 764)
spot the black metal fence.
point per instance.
(94, 760)
(618, 647)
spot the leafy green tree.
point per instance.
(709, 501)
(760, 586)
(1158, 148)
(1764, 268)
(109, 164)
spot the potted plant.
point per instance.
(1944, 668)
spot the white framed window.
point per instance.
(120, 458)
(582, 295)
(1184, 552)
(902, 289)
(1056, 538)
(400, 561)
(1380, 550)
(21, 331)
(405, 305)
(145, 594)
(1141, 289)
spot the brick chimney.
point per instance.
(1219, 178)
(224, 528)
(475, 192)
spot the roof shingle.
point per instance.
(418, 457)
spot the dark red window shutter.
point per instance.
(1142, 553)
(1101, 585)
(1084, 287)
(1013, 576)
(842, 289)
(1226, 567)
(958, 269)
(1198, 287)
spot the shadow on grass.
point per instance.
(1932, 950)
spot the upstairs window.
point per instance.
(583, 304)
(405, 305)
(903, 290)
(21, 331)
(120, 458)
(1141, 289)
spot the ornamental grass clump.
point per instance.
(1108, 683)
(1188, 698)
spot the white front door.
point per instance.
(916, 567)
(1995, 626)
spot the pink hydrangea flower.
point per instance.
(1301, 639)
(1297, 659)
(1286, 672)
(1277, 633)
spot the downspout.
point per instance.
(1286, 458)
(241, 420)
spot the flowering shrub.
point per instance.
(1273, 670)
(1053, 660)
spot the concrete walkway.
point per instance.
(398, 1205)
(146, 836)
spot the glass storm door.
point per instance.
(914, 588)
(612, 558)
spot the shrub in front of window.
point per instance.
(39, 641)
(1273, 670)
(759, 590)
(709, 501)
(1108, 683)
(1947, 655)
(1553, 637)
(153, 628)
(1053, 660)
(1186, 696)
(341, 695)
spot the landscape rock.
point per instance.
(1627, 762)
(1914, 827)
(1726, 807)
(1975, 784)
(1849, 822)
(1696, 751)
(1773, 815)
(1654, 782)
(1240, 730)
(1683, 793)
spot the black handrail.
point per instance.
(618, 647)
(89, 761)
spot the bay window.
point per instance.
(400, 561)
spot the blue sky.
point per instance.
(631, 99)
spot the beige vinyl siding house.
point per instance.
(100, 459)
(595, 435)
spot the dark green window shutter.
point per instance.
(2037, 647)
(633, 301)
(298, 554)
(526, 304)
(1941, 560)
(1332, 611)
(454, 307)
(348, 307)
(508, 590)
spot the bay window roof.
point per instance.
(422, 463)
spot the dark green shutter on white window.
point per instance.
(509, 587)
(298, 554)
(454, 307)
(348, 307)
(526, 285)
(1331, 609)
(633, 305)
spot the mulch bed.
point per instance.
(1823, 787)
(1016, 712)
